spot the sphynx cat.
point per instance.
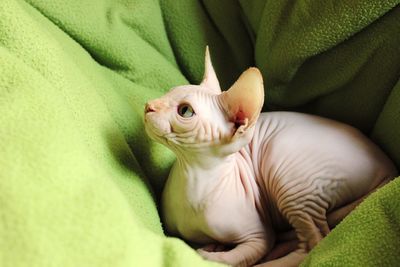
(241, 175)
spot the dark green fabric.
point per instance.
(369, 237)
(79, 178)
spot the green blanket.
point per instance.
(80, 180)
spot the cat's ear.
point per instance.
(244, 100)
(210, 79)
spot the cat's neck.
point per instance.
(206, 167)
(199, 160)
(201, 176)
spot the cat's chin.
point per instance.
(155, 133)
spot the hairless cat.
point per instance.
(241, 175)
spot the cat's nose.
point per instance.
(149, 108)
(156, 105)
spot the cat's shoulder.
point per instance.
(296, 118)
(285, 117)
(289, 115)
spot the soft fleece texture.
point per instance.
(79, 179)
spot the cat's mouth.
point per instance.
(156, 127)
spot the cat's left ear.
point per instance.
(244, 100)
(210, 79)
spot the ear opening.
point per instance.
(244, 100)
(210, 79)
(239, 119)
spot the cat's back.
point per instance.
(304, 151)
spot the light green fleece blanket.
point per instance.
(79, 179)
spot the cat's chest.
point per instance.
(222, 211)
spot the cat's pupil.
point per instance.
(185, 111)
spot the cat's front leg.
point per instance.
(244, 254)
(307, 215)
(309, 231)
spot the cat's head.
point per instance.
(202, 119)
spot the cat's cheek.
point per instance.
(176, 128)
(180, 126)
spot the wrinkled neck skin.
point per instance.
(212, 157)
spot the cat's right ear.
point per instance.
(210, 80)
(244, 100)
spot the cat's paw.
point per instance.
(212, 252)
(213, 248)
(212, 256)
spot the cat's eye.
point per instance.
(185, 110)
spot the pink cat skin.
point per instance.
(241, 176)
